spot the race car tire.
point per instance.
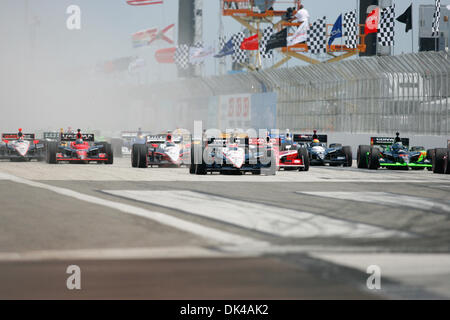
(374, 159)
(348, 156)
(142, 150)
(447, 162)
(361, 158)
(200, 168)
(304, 155)
(439, 160)
(192, 164)
(134, 156)
(109, 153)
(51, 152)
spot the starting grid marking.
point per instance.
(384, 198)
(268, 219)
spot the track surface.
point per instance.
(162, 233)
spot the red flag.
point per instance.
(165, 55)
(372, 21)
(251, 43)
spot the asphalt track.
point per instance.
(161, 233)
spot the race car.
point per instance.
(232, 155)
(290, 155)
(392, 153)
(131, 137)
(79, 148)
(21, 147)
(321, 154)
(158, 150)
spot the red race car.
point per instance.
(79, 148)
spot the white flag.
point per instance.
(300, 35)
(198, 55)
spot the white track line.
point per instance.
(117, 254)
(186, 226)
(263, 218)
(384, 198)
(429, 271)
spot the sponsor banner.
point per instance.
(243, 111)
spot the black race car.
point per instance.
(321, 154)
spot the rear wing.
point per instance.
(387, 141)
(14, 136)
(89, 137)
(132, 134)
(51, 135)
(160, 139)
(323, 138)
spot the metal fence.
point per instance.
(407, 93)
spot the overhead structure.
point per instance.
(255, 15)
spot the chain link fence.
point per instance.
(407, 93)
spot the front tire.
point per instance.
(304, 155)
(109, 153)
(51, 152)
(142, 151)
(362, 157)
(348, 156)
(439, 158)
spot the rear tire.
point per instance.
(200, 168)
(362, 158)
(374, 159)
(439, 159)
(348, 156)
(52, 148)
(134, 156)
(304, 155)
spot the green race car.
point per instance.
(392, 153)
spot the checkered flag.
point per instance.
(263, 43)
(350, 30)
(317, 36)
(386, 28)
(436, 19)
(239, 55)
(182, 56)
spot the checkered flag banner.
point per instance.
(436, 19)
(317, 36)
(239, 55)
(182, 56)
(386, 28)
(350, 30)
(263, 43)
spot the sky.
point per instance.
(107, 26)
(46, 80)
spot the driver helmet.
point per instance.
(79, 137)
(20, 134)
(315, 143)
